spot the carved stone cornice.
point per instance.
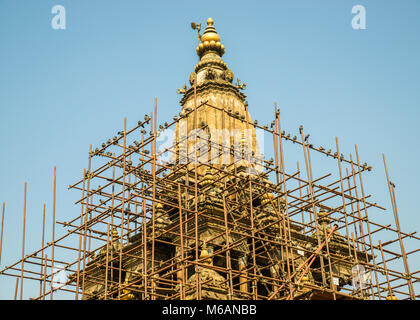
(213, 85)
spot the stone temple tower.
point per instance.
(226, 121)
(212, 225)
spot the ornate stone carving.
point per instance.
(228, 75)
(183, 90)
(210, 74)
(240, 85)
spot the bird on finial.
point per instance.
(197, 26)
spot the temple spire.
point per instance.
(215, 107)
(210, 41)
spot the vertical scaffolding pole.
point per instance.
(106, 262)
(23, 246)
(1, 233)
(153, 146)
(80, 237)
(397, 224)
(53, 235)
(16, 288)
(122, 210)
(367, 219)
(181, 279)
(89, 197)
(42, 250)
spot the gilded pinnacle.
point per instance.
(210, 41)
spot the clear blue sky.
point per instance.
(62, 90)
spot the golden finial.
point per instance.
(391, 296)
(304, 279)
(323, 217)
(115, 234)
(267, 198)
(210, 40)
(126, 294)
(159, 208)
(204, 254)
(210, 34)
(208, 178)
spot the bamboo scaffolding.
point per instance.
(127, 189)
